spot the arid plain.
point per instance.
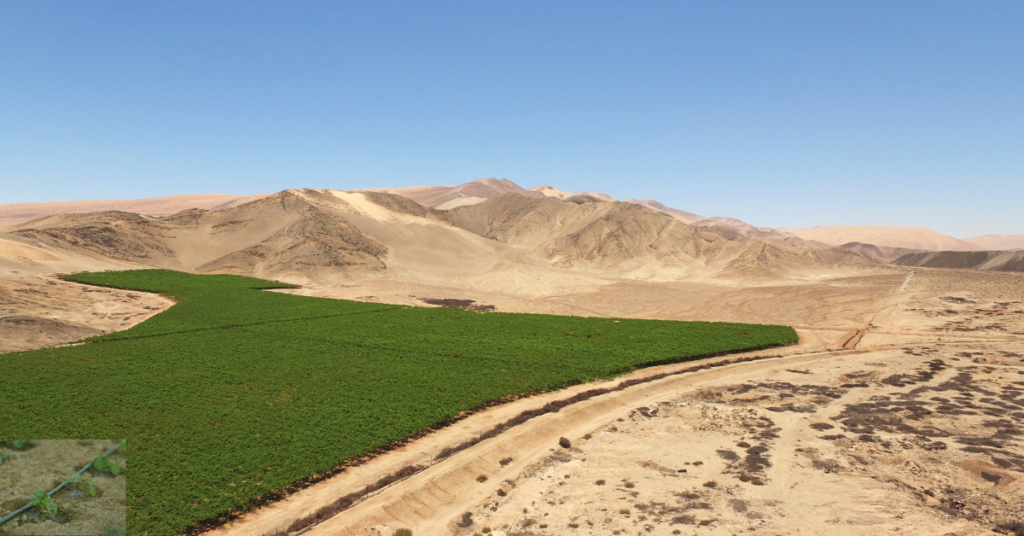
(900, 410)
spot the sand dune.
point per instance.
(550, 191)
(446, 197)
(998, 242)
(16, 213)
(893, 237)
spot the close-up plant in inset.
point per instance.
(84, 484)
(5, 457)
(45, 504)
(103, 464)
(78, 503)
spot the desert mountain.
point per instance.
(997, 242)
(328, 235)
(447, 197)
(470, 193)
(878, 253)
(583, 231)
(549, 191)
(681, 215)
(879, 243)
(16, 213)
(291, 234)
(1001, 261)
(891, 237)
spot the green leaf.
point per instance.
(40, 497)
(100, 464)
(45, 504)
(115, 468)
(84, 483)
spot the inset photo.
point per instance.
(63, 486)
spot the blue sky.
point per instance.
(783, 114)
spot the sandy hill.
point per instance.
(471, 193)
(549, 191)
(723, 225)
(892, 237)
(997, 242)
(681, 215)
(878, 253)
(17, 213)
(296, 234)
(326, 235)
(447, 197)
(998, 261)
(583, 232)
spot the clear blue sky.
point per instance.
(783, 114)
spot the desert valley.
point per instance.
(900, 409)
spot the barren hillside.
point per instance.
(997, 242)
(447, 197)
(878, 253)
(681, 215)
(893, 237)
(17, 213)
(999, 261)
(327, 235)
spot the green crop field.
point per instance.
(235, 392)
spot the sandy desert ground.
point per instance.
(38, 311)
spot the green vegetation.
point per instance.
(102, 464)
(44, 503)
(84, 484)
(234, 393)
